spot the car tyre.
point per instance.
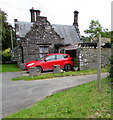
(67, 67)
(39, 69)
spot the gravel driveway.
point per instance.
(18, 95)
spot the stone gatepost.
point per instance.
(34, 72)
(56, 69)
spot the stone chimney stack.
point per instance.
(37, 14)
(32, 14)
(76, 18)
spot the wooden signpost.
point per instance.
(99, 63)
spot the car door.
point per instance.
(61, 60)
(48, 63)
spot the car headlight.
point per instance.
(31, 64)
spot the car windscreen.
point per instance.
(41, 58)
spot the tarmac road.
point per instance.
(18, 95)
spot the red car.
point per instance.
(47, 62)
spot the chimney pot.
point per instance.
(32, 14)
(76, 18)
(15, 20)
(37, 14)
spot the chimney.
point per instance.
(37, 14)
(32, 14)
(76, 18)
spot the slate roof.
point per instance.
(23, 28)
(68, 32)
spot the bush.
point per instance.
(111, 63)
(6, 55)
(111, 67)
(76, 63)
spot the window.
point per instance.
(50, 58)
(43, 51)
(43, 61)
(65, 56)
(61, 57)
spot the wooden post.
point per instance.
(99, 64)
(12, 41)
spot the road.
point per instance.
(17, 95)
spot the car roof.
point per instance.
(57, 54)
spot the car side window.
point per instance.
(50, 58)
(42, 61)
(65, 56)
(60, 57)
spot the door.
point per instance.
(72, 53)
(61, 60)
(48, 63)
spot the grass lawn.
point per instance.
(51, 75)
(80, 102)
(9, 68)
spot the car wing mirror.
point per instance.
(45, 60)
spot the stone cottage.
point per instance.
(38, 37)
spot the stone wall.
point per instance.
(88, 57)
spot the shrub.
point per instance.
(111, 63)
(6, 55)
(76, 63)
(111, 67)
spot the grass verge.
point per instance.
(51, 75)
(9, 68)
(80, 102)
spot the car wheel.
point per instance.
(39, 69)
(67, 67)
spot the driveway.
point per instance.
(18, 95)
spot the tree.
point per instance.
(6, 42)
(86, 39)
(5, 29)
(94, 28)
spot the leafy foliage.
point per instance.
(111, 61)
(95, 28)
(5, 29)
(86, 39)
(6, 42)
(76, 62)
(6, 54)
(111, 68)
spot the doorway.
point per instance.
(72, 53)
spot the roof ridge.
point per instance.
(62, 25)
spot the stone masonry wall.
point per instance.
(88, 57)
